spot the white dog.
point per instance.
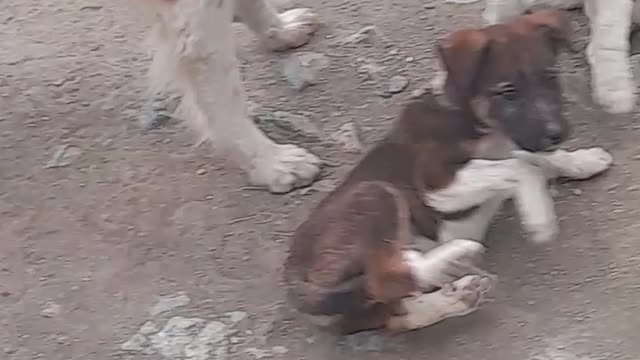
(194, 49)
(608, 50)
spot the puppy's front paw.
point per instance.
(284, 168)
(297, 28)
(586, 163)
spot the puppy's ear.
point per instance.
(553, 25)
(462, 55)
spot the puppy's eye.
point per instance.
(506, 90)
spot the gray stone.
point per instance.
(364, 35)
(349, 136)
(50, 309)
(169, 302)
(363, 341)
(282, 126)
(397, 84)
(63, 155)
(303, 69)
(158, 110)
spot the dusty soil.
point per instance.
(142, 246)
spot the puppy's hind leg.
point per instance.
(196, 48)
(290, 29)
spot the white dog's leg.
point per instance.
(498, 11)
(291, 29)
(459, 298)
(608, 54)
(195, 46)
(474, 184)
(576, 165)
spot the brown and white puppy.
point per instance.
(348, 259)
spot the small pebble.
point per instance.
(50, 310)
(397, 84)
(279, 350)
(201, 171)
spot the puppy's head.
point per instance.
(506, 74)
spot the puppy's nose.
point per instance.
(555, 132)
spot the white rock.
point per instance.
(212, 337)
(135, 343)
(175, 336)
(148, 328)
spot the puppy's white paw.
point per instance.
(458, 298)
(468, 293)
(284, 168)
(618, 99)
(298, 25)
(583, 163)
(444, 263)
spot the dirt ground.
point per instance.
(137, 245)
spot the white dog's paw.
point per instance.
(298, 25)
(583, 163)
(543, 232)
(616, 100)
(284, 168)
